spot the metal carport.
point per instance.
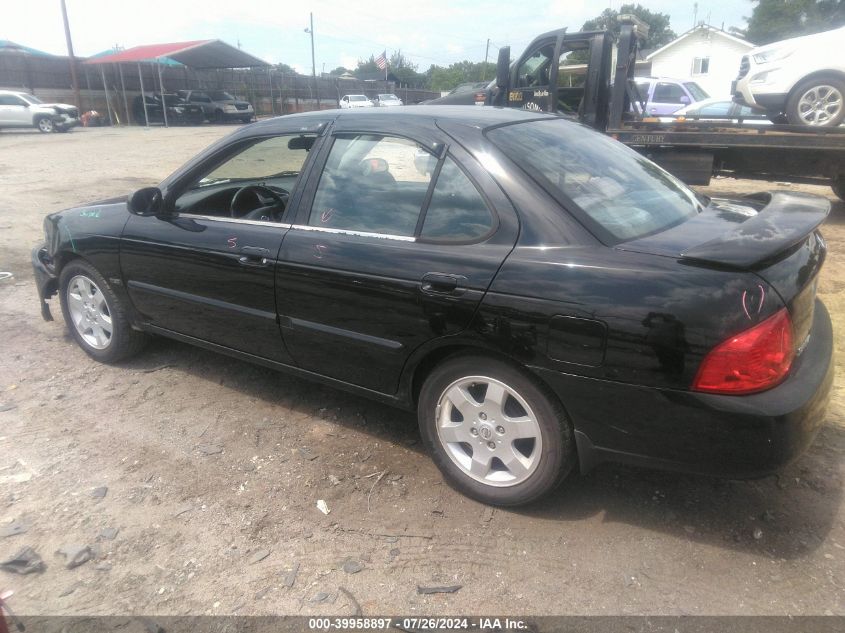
(198, 54)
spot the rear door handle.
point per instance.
(439, 282)
(254, 256)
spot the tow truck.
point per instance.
(601, 92)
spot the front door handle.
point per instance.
(439, 282)
(254, 256)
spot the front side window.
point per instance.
(372, 184)
(534, 71)
(667, 93)
(221, 95)
(615, 191)
(270, 165)
(11, 100)
(32, 99)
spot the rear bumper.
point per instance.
(46, 281)
(726, 436)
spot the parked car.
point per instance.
(355, 101)
(545, 298)
(179, 111)
(716, 109)
(801, 79)
(665, 96)
(463, 94)
(219, 106)
(21, 109)
(387, 101)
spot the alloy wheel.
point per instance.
(89, 312)
(820, 104)
(489, 431)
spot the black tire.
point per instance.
(247, 119)
(45, 124)
(218, 116)
(123, 341)
(556, 459)
(793, 113)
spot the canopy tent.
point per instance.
(8, 46)
(164, 61)
(199, 54)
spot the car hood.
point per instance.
(805, 40)
(60, 106)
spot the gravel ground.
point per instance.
(205, 471)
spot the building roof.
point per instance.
(196, 54)
(8, 46)
(698, 29)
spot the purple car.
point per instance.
(665, 96)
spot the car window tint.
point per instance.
(721, 109)
(264, 159)
(534, 71)
(372, 183)
(617, 191)
(11, 100)
(667, 93)
(457, 211)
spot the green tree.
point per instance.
(340, 70)
(659, 32)
(440, 78)
(284, 68)
(773, 20)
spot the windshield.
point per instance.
(32, 99)
(220, 95)
(617, 193)
(357, 98)
(388, 98)
(696, 91)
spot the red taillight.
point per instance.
(753, 360)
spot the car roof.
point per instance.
(464, 114)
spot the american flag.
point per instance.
(381, 60)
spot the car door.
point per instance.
(202, 273)
(667, 97)
(14, 112)
(393, 247)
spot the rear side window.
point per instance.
(720, 108)
(457, 212)
(617, 193)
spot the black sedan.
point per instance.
(543, 297)
(179, 111)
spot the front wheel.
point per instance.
(819, 102)
(45, 124)
(494, 432)
(95, 316)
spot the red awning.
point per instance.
(196, 54)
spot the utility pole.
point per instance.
(313, 62)
(484, 68)
(70, 54)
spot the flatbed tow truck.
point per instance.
(605, 97)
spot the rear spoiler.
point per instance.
(785, 221)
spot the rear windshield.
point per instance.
(617, 193)
(698, 93)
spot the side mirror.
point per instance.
(146, 201)
(502, 76)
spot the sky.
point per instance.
(426, 31)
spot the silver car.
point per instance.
(21, 109)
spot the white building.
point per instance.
(708, 55)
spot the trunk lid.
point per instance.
(773, 235)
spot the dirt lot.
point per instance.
(213, 469)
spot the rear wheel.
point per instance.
(95, 316)
(218, 116)
(44, 124)
(819, 102)
(494, 432)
